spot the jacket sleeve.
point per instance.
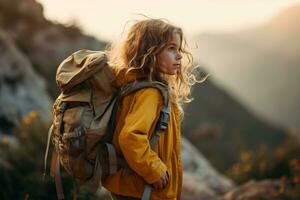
(135, 134)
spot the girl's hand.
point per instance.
(162, 182)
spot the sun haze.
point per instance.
(106, 20)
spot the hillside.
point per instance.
(260, 65)
(44, 42)
(222, 128)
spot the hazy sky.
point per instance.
(106, 19)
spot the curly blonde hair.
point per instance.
(144, 41)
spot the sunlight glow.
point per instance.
(106, 19)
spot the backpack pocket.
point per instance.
(76, 121)
(92, 137)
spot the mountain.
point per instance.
(44, 42)
(260, 66)
(221, 127)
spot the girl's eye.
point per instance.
(172, 48)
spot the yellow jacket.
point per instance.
(136, 120)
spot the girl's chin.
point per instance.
(171, 72)
(174, 72)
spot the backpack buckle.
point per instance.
(163, 120)
(63, 107)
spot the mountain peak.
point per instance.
(287, 19)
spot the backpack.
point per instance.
(84, 117)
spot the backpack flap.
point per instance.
(78, 67)
(103, 89)
(80, 93)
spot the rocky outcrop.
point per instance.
(33, 51)
(49, 46)
(200, 179)
(21, 89)
(44, 42)
(253, 190)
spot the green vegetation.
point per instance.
(282, 162)
(21, 169)
(21, 166)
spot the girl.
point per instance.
(153, 49)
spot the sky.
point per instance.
(106, 19)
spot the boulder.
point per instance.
(22, 90)
(200, 179)
(252, 190)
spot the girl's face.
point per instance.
(169, 59)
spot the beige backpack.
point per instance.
(84, 117)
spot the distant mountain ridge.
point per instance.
(221, 127)
(261, 65)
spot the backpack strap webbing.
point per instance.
(132, 87)
(55, 172)
(47, 150)
(55, 165)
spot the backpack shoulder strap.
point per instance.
(163, 89)
(137, 85)
(162, 123)
(132, 87)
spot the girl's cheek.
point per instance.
(171, 54)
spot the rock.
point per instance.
(21, 89)
(51, 45)
(253, 190)
(44, 42)
(200, 179)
